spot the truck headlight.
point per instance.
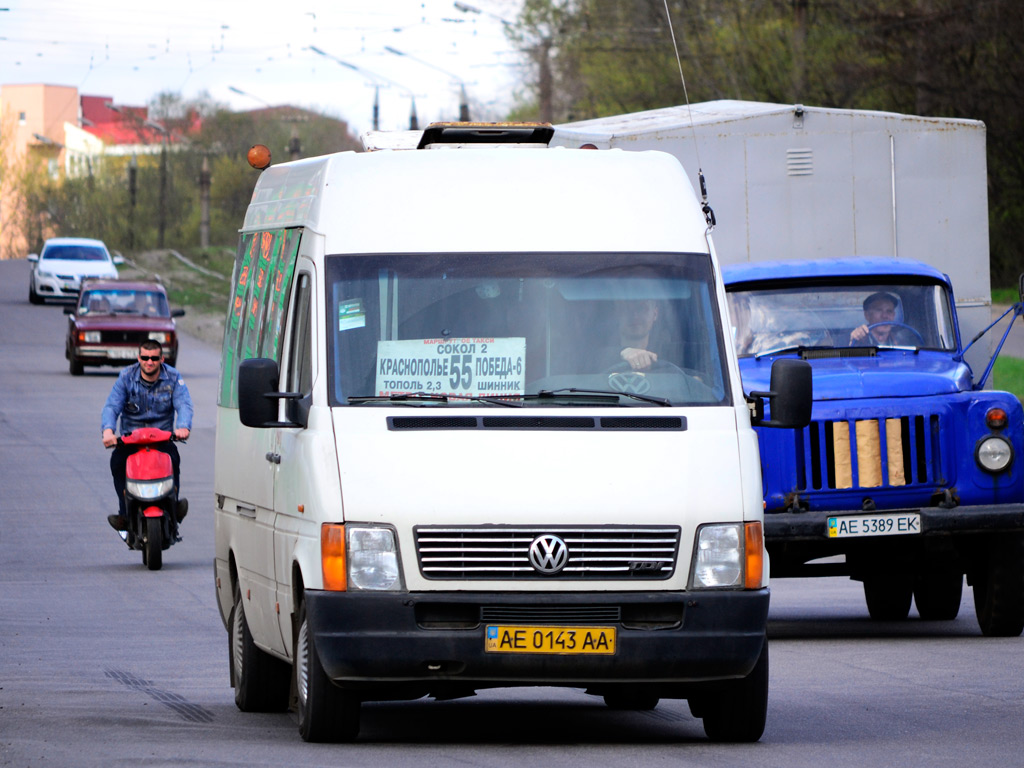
(993, 453)
(152, 489)
(372, 559)
(728, 555)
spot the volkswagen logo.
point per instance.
(631, 382)
(548, 554)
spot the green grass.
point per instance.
(1005, 296)
(1008, 375)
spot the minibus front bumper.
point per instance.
(673, 638)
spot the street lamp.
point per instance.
(240, 92)
(413, 122)
(467, 8)
(541, 54)
(463, 103)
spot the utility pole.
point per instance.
(376, 81)
(165, 137)
(204, 204)
(133, 188)
(463, 102)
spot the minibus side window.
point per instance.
(262, 277)
(300, 364)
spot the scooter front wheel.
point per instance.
(153, 546)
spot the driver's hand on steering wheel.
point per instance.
(638, 359)
(858, 334)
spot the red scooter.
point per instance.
(151, 499)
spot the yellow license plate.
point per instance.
(518, 638)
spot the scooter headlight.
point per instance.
(150, 489)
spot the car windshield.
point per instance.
(74, 253)
(508, 326)
(123, 302)
(767, 320)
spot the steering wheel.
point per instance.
(622, 377)
(910, 328)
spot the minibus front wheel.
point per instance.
(326, 713)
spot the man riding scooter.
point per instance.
(148, 393)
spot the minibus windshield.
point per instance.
(478, 327)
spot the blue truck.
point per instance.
(910, 476)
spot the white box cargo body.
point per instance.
(795, 182)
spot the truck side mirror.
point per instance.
(258, 395)
(790, 395)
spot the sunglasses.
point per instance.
(151, 358)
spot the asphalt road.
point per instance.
(104, 663)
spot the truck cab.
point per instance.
(909, 476)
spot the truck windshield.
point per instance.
(509, 325)
(773, 319)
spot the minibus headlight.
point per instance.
(994, 453)
(728, 555)
(151, 489)
(372, 559)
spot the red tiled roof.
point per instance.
(126, 126)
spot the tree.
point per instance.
(940, 58)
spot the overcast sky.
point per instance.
(131, 51)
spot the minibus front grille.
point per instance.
(504, 552)
(870, 453)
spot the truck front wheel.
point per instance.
(888, 598)
(737, 712)
(938, 595)
(999, 588)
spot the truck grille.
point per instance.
(503, 552)
(869, 453)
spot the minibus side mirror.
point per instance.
(258, 395)
(790, 395)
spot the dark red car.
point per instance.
(113, 317)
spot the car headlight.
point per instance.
(728, 555)
(158, 336)
(152, 489)
(372, 558)
(43, 273)
(993, 453)
(90, 337)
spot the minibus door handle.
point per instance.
(274, 458)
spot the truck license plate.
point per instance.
(891, 524)
(518, 638)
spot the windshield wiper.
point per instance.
(604, 395)
(431, 397)
(781, 350)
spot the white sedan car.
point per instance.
(58, 271)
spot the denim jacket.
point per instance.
(141, 406)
